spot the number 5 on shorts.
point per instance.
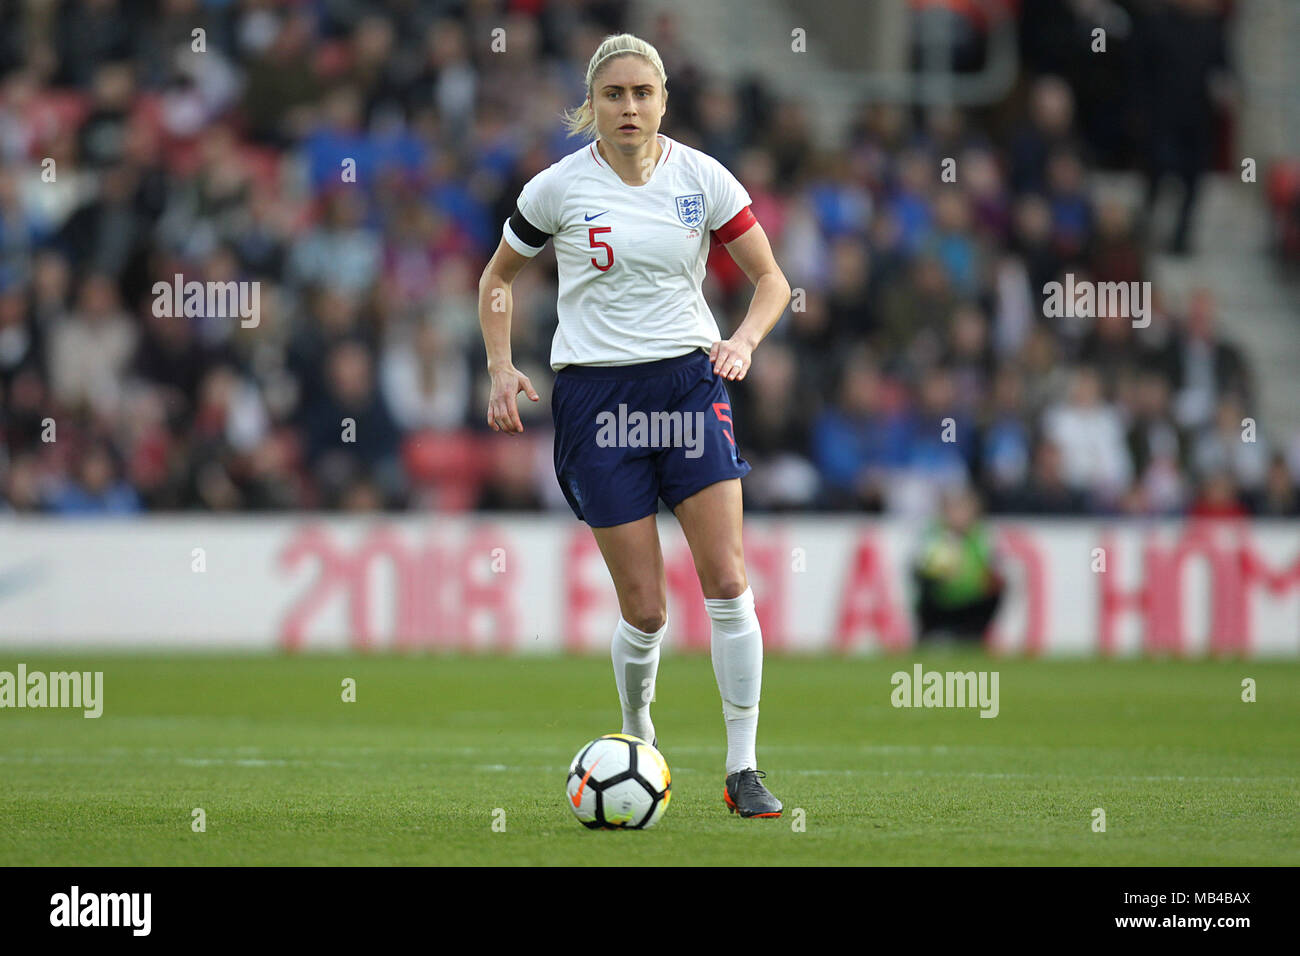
(718, 409)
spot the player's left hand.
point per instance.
(731, 358)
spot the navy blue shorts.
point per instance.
(628, 435)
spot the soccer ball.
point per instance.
(618, 782)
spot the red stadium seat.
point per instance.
(451, 464)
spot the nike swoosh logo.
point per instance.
(577, 797)
(597, 216)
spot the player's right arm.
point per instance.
(494, 307)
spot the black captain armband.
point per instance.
(526, 231)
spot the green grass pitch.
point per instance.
(412, 772)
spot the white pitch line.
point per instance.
(1039, 776)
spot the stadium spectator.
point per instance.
(1280, 497)
(1049, 127)
(775, 433)
(424, 380)
(1232, 447)
(1090, 434)
(938, 447)
(918, 300)
(98, 487)
(20, 344)
(1157, 447)
(1181, 51)
(860, 440)
(91, 347)
(1046, 492)
(350, 433)
(1202, 366)
(1217, 498)
(1006, 438)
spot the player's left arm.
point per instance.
(753, 253)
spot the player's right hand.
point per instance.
(503, 410)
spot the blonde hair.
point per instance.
(582, 119)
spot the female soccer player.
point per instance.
(639, 405)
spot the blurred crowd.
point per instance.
(916, 356)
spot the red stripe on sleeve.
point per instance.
(735, 227)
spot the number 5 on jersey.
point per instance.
(592, 232)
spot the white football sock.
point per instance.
(636, 662)
(737, 649)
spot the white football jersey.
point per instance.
(630, 258)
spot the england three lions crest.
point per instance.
(690, 209)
